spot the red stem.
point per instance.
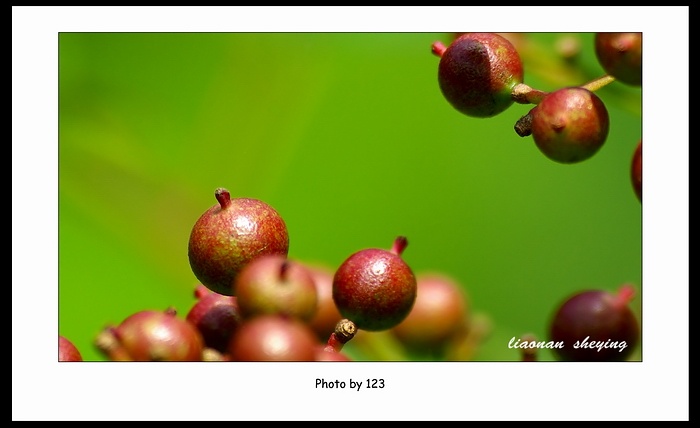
(201, 290)
(223, 196)
(400, 244)
(438, 48)
(625, 295)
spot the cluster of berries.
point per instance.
(481, 75)
(254, 303)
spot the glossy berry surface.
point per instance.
(274, 284)
(154, 336)
(477, 73)
(67, 351)
(620, 55)
(570, 125)
(601, 322)
(440, 312)
(229, 235)
(273, 338)
(636, 171)
(216, 317)
(375, 288)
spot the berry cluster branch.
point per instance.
(598, 83)
(524, 94)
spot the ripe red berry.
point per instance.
(375, 288)
(152, 336)
(67, 351)
(440, 312)
(229, 235)
(620, 55)
(216, 317)
(477, 73)
(274, 284)
(636, 171)
(570, 124)
(595, 325)
(273, 338)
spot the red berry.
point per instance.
(570, 124)
(375, 288)
(67, 351)
(440, 313)
(274, 284)
(216, 317)
(229, 235)
(595, 325)
(273, 338)
(477, 73)
(620, 55)
(152, 336)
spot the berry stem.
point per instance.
(624, 295)
(523, 127)
(201, 290)
(438, 48)
(223, 197)
(598, 83)
(524, 94)
(344, 331)
(284, 270)
(400, 244)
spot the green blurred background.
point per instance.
(348, 136)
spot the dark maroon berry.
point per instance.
(215, 316)
(274, 284)
(67, 351)
(440, 312)
(273, 338)
(636, 171)
(152, 336)
(375, 288)
(229, 235)
(570, 124)
(620, 55)
(595, 325)
(477, 73)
